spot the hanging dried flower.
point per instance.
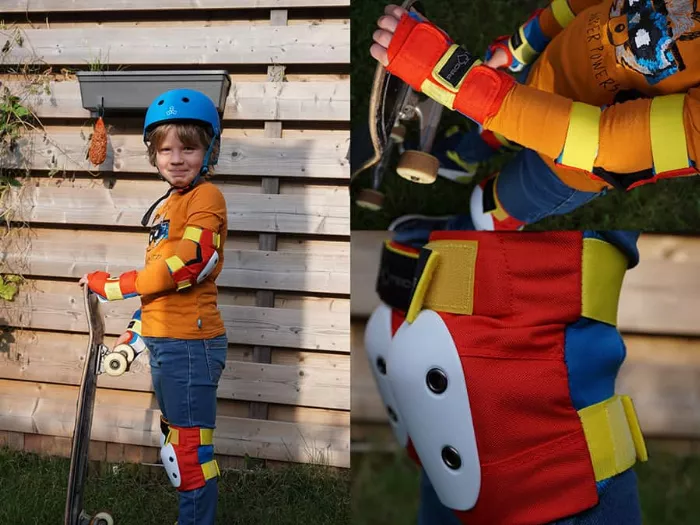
(98, 144)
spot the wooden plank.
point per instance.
(129, 417)
(40, 6)
(320, 43)
(319, 101)
(57, 306)
(659, 296)
(322, 156)
(124, 205)
(58, 358)
(661, 374)
(73, 253)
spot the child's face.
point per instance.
(179, 164)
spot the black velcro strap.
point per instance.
(622, 181)
(457, 66)
(395, 279)
(488, 200)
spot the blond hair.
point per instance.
(191, 135)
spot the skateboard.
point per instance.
(98, 359)
(391, 102)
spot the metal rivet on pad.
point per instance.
(451, 457)
(381, 365)
(436, 380)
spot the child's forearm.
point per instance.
(623, 138)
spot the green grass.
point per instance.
(32, 492)
(385, 489)
(669, 206)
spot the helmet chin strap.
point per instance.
(203, 170)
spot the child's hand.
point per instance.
(123, 339)
(83, 280)
(382, 37)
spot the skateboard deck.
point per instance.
(74, 512)
(391, 101)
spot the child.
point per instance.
(179, 321)
(609, 100)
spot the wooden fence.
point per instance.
(659, 318)
(284, 290)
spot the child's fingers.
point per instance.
(395, 11)
(383, 38)
(379, 53)
(388, 23)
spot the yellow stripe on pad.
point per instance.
(210, 469)
(610, 434)
(447, 287)
(193, 233)
(582, 138)
(525, 54)
(174, 263)
(206, 436)
(113, 292)
(562, 12)
(395, 249)
(669, 148)
(602, 270)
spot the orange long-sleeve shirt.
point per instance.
(609, 48)
(191, 313)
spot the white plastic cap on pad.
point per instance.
(428, 383)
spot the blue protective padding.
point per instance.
(593, 352)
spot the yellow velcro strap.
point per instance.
(447, 286)
(193, 233)
(135, 326)
(422, 285)
(173, 436)
(206, 436)
(217, 240)
(562, 12)
(183, 284)
(669, 149)
(210, 469)
(602, 270)
(612, 434)
(112, 290)
(525, 53)
(438, 94)
(581, 146)
(637, 437)
(174, 263)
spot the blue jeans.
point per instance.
(185, 376)
(618, 505)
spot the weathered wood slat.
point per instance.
(246, 101)
(322, 156)
(661, 374)
(72, 253)
(52, 305)
(58, 358)
(91, 203)
(320, 43)
(659, 296)
(131, 418)
(38, 6)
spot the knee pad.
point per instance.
(188, 457)
(486, 210)
(378, 335)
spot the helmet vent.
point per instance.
(185, 99)
(160, 102)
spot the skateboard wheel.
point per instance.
(102, 518)
(398, 133)
(418, 166)
(370, 199)
(115, 364)
(127, 351)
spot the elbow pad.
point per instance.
(195, 270)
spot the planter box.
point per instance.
(129, 91)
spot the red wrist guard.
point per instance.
(110, 288)
(424, 57)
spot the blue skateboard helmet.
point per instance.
(184, 105)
